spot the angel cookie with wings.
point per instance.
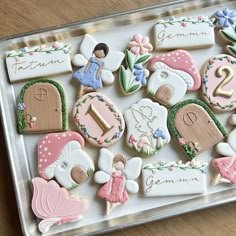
(118, 176)
(97, 63)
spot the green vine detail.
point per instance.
(205, 81)
(115, 113)
(73, 186)
(90, 171)
(189, 147)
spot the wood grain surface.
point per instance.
(18, 16)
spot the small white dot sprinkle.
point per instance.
(40, 152)
(63, 135)
(59, 138)
(69, 134)
(41, 160)
(43, 155)
(49, 141)
(45, 160)
(168, 55)
(194, 72)
(177, 54)
(174, 60)
(186, 61)
(49, 154)
(179, 58)
(43, 142)
(40, 146)
(190, 68)
(40, 166)
(45, 149)
(46, 137)
(162, 59)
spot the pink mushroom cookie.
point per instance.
(60, 156)
(174, 73)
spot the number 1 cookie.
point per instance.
(219, 82)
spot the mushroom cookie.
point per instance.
(173, 74)
(53, 204)
(60, 156)
(147, 127)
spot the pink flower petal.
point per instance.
(133, 44)
(135, 50)
(138, 38)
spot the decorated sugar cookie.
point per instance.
(174, 178)
(147, 127)
(118, 176)
(38, 61)
(219, 82)
(97, 62)
(135, 76)
(195, 126)
(184, 32)
(98, 119)
(60, 156)
(42, 107)
(174, 73)
(54, 206)
(226, 23)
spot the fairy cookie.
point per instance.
(184, 32)
(219, 81)
(147, 127)
(174, 178)
(135, 76)
(60, 156)
(194, 126)
(54, 206)
(98, 119)
(118, 175)
(42, 107)
(97, 63)
(174, 73)
(226, 23)
(38, 61)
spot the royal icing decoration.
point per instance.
(135, 76)
(53, 204)
(60, 157)
(184, 33)
(98, 119)
(39, 61)
(219, 81)
(174, 178)
(118, 176)
(226, 22)
(37, 98)
(195, 126)
(174, 74)
(97, 63)
(147, 127)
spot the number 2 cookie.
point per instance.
(219, 82)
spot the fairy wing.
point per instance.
(224, 149)
(131, 186)
(113, 60)
(101, 177)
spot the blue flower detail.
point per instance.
(159, 133)
(205, 80)
(100, 98)
(203, 171)
(161, 163)
(171, 18)
(66, 51)
(140, 74)
(226, 17)
(21, 106)
(116, 135)
(24, 50)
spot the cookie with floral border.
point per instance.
(135, 76)
(38, 61)
(147, 127)
(219, 81)
(174, 178)
(54, 205)
(195, 126)
(185, 32)
(174, 74)
(42, 107)
(226, 23)
(60, 156)
(98, 119)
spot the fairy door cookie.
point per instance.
(174, 73)
(147, 127)
(60, 156)
(42, 107)
(219, 82)
(195, 126)
(118, 176)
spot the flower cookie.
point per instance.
(184, 32)
(38, 61)
(174, 73)
(195, 126)
(226, 23)
(135, 76)
(60, 157)
(42, 107)
(97, 63)
(118, 176)
(147, 127)
(174, 178)
(53, 204)
(98, 119)
(219, 82)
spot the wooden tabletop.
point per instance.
(20, 16)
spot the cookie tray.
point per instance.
(116, 30)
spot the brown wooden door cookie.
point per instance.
(164, 94)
